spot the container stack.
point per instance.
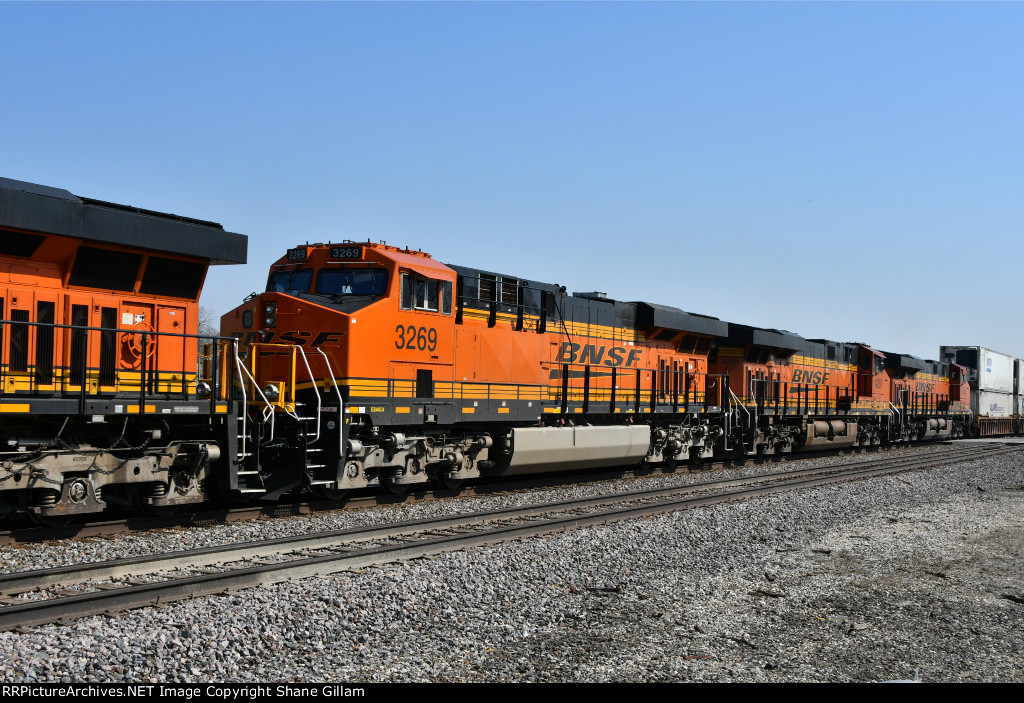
(996, 385)
(1018, 393)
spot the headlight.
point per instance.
(203, 389)
(270, 391)
(270, 314)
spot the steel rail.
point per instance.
(106, 528)
(337, 560)
(62, 576)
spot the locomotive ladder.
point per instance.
(314, 455)
(313, 460)
(748, 431)
(895, 418)
(248, 477)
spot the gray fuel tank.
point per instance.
(539, 449)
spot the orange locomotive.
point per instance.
(99, 398)
(365, 364)
(368, 364)
(802, 394)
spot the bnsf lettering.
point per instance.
(925, 387)
(298, 338)
(816, 377)
(327, 338)
(592, 354)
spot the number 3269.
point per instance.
(412, 337)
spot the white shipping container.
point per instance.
(991, 404)
(1018, 388)
(994, 371)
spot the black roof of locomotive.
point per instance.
(906, 361)
(47, 210)
(670, 318)
(779, 340)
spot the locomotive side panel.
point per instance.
(99, 402)
(438, 366)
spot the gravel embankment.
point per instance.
(870, 580)
(65, 552)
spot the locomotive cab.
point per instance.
(350, 335)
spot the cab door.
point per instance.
(172, 351)
(865, 374)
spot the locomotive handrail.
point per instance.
(269, 409)
(86, 328)
(245, 405)
(635, 394)
(215, 367)
(743, 407)
(68, 377)
(898, 414)
(341, 402)
(281, 400)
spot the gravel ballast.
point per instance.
(917, 575)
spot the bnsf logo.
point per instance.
(298, 338)
(816, 377)
(595, 355)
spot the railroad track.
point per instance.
(227, 515)
(67, 593)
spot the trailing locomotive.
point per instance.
(100, 403)
(380, 365)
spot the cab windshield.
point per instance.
(291, 282)
(352, 281)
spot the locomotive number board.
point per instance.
(297, 254)
(346, 252)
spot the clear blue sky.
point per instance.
(850, 171)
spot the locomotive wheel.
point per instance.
(158, 510)
(51, 520)
(696, 460)
(332, 494)
(452, 484)
(395, 489)
(153, 510)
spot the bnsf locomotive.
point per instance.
(100, 404)
(379, 365)
(364, 364)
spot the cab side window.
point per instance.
(427, 294)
